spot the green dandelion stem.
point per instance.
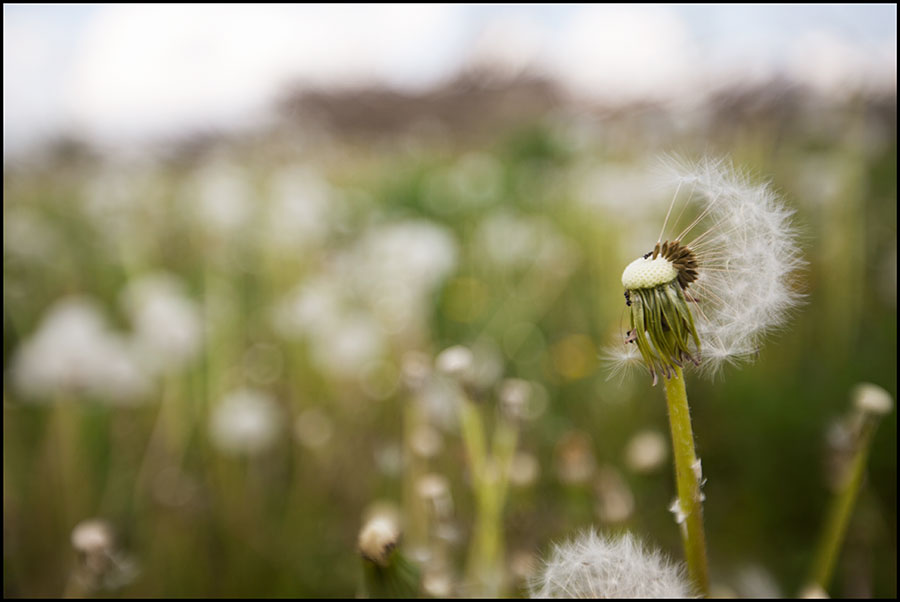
(687, 475)
(841, 509)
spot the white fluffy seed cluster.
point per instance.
(648, 272)
(747, 254)
(593, 566)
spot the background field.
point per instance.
(310, 260)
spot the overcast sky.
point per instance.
(115, 73)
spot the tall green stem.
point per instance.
(490, 476)
(841, 508)
(688, 475)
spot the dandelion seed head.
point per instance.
(73, 351)
(735, 256)
(594, 566)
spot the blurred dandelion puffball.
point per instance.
(378, 538)
(244, 421)
(594, 566)
(872, 399)
(73, 351)
(92, 536)
(718, 278)
(167, 323)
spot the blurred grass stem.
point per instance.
(841, 507)
(690, 500)
(490, 478)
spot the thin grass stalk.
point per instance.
(841, 508)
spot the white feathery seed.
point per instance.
(747, 252)
(594, 566)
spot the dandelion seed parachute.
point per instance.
(592, 566)
(729, 265)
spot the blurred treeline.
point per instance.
(205, 347)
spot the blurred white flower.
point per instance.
(593, 566)
(396, 267)
(476, 178)
(619, 191)
(354, 343)
(302, 208)
(245, 422)
(872, 399)
(313, 308)
(167, 324)
(381, 285)
(72, 351)
(646, 451)
(378, 538)
(342, 339)
(222, 197)
(723, 276)
(101, 564)
(513, 242)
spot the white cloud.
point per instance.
(626, 53)
(148, 67)
(32, 74)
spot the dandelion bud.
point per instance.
(593, 566)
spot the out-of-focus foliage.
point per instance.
(212, 350)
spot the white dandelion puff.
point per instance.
(594, 566)
(74, 352)
(167, 322)
(245, 421)
(721, 273)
